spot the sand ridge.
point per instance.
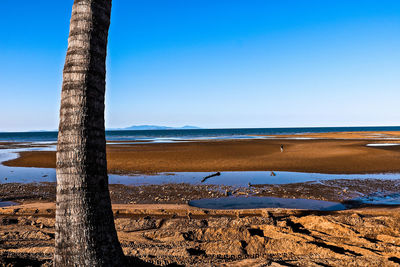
(160, 235)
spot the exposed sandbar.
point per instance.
(316, 155)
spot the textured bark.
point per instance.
(85, 230)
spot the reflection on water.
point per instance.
(7, 203)
(380, 198)
(232, 178)
(266, 202)
(22, 174)
(383, 144)
(243, 178)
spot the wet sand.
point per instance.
(335, 156)
(341, 190)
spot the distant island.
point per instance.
(155, 127)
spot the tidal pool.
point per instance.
(383, 144)
(7, 203)
(230, 178)
(266, 202)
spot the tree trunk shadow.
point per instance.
(27, 261)
(134, 261)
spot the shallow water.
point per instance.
(380, 198)
(7, 203)
(383, 144)
(266, 202)
(243, 178)
(231, 178)
(194, 133)
(235, 179)
(22, 174)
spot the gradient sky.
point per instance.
(213, 63)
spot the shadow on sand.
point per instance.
(21, 261)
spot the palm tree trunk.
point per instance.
(85, 230)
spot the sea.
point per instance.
(235, 179)
(191, 134)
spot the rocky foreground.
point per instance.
(170, 234)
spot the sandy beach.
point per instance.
(328, 153)
(157, 227)
(158, 235)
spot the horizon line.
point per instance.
(226, 128)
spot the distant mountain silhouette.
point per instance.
(157, 127)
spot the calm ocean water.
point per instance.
(190, 134)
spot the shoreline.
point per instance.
(341, 190)
(331, 156)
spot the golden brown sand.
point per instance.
(178, 234)
(333, 155)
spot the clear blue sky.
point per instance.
(213, 63)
